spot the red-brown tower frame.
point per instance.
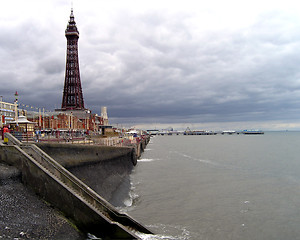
(72, 94)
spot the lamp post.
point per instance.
(43, 118)
(40, 119)
(16, 107)
(1, 120)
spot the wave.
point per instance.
(197, 159)
(184, 234)
(131, 201)
(147, 160)
(207, 162)
(178, 233)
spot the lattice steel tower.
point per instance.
(72, 95)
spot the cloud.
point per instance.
(167, 71)
(189, 63)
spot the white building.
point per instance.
(8, 112)
(104, 115)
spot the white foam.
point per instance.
(147, 160)
(92, 237)
(207, 162)
(155, 237)
(128, 202)
(245, 207)
(159, 237)
(186, 156)
(131, 200)
(181, 233)
(199, 160)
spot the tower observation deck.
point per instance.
(72, 93)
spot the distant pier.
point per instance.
(203, 132)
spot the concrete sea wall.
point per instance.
(59, 195)
(74, 155)
(78, 202)
(104, 169)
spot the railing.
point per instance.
(81, 140)
(23, 137)
(111, 141)
(106, 210)
(12, 139)
(56, 169)
(79, 189)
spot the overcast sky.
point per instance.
(204, 64)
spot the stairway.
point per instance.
(118, 225)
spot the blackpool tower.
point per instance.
(72, 94)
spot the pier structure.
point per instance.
(204, 132)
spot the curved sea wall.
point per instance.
(103, 168)
(74, 155)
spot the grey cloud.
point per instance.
(30, 64)
(155, 65)
(237, 71)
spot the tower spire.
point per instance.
(72, 94)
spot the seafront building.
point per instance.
(8, 111)
(49, 120)
(66, 121)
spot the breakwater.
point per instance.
(90, 212)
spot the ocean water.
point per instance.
(218, 187)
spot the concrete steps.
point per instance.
(100, 217)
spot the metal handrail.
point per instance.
(12, 138)
(84, 190)
(58, 167)
(105, 208)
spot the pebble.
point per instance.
(24, 216)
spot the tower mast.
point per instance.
(72, 94)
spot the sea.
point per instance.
(218, 187)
